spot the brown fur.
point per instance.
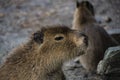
(99, 40)
(42, 56)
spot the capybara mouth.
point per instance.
(81, 53)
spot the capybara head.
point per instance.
(60, 41)
(85, 4)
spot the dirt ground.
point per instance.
(19, 18)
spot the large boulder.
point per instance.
(110, 65)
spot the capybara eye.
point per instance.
(38, 37)
(58, 38)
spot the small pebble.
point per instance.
(2, 15)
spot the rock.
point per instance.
(115, 33)
(110, 65)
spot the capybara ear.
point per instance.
(38, 37)
(90, 7)
(77, 4)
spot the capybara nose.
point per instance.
(85, 38)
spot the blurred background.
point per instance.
(19, 18)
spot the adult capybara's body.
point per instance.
(99, 39)
(42, 56)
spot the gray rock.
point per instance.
(110, 65)
(115, 33)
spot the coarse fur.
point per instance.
(42, 56)
(99, 39)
